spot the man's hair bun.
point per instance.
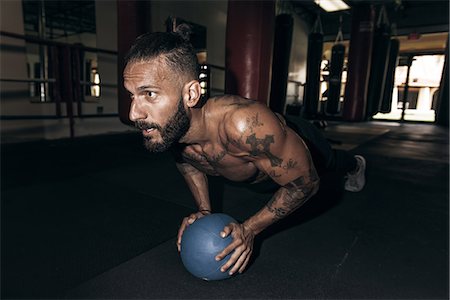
(184, 31)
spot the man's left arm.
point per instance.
(279, 152)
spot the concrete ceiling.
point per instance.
(423, 17)
(429, 43)
(410, 16)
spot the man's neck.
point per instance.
(198, 129)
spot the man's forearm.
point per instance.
(285, 201)
(198, 185)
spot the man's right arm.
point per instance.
(197, 182)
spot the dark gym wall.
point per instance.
(132, 21)
(249, 42)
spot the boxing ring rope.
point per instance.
(67, 85)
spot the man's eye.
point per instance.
(150, 94)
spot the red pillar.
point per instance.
(249, 46)
(132, 21)
(359, 59)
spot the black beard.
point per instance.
(175, 129)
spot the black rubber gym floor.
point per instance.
(97, 217)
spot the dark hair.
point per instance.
(174, 47)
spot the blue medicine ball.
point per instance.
(200, 244)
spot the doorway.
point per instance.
(416, 88)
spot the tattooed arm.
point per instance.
(286, 200)
(289, 197)
(279, 152)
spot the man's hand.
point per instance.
(188, 221)
(242, 245)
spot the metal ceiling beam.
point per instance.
(409, 15)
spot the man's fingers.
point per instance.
(226, 231)
(228, 249)
(242, 258)
(192, 219)
(180, 233)
(244, 265)
(233, 258)
(234, 244)
(186, 222)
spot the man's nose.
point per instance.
(136, 112)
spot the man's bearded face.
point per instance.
(175, 128)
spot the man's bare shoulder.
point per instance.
(230, 102)
(231, 112)
(243, 118)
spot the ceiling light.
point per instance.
(332, 5)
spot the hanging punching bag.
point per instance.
(312, 87)
(335, 78)
(378, 69)
(360, 54)
(249, 47)
(386, 102)
(132, 21)
(280, 65)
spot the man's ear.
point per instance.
(192, 93)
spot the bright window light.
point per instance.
(332, 5)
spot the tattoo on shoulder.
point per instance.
(254, 122)
(262, 146)
(290, 165)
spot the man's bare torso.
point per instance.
(220, 156)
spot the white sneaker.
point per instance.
(356, 180)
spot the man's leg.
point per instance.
(327, 159)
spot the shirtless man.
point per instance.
(229, 136)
